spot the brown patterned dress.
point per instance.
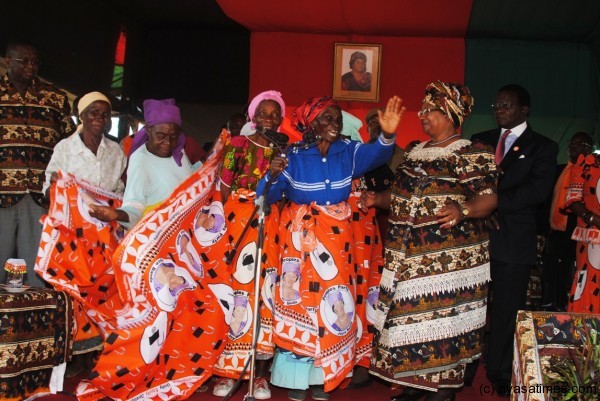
(433, 292)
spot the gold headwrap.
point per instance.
(454, 99)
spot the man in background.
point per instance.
(34, 117)
(527, 161)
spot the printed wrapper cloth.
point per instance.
(75, 250)
(319, 239)
(238, 210)
(368, 256)
(163, 339)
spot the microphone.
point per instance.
(279, 139)
(310, 137)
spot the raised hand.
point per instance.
(391, 116)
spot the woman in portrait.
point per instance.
(239, 317)
(358, 78)
(290, 275)
(433, 290)
(343, 319)
(316, 181)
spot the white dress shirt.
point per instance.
(515, 133)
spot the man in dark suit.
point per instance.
(527, 161)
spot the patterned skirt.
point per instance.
(314, 301)
(238, 345)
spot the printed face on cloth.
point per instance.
(452, 99)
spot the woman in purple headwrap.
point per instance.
(247, 158)
(157, 164)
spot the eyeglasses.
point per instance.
(26, 60)
(422, 112)
(502, 105)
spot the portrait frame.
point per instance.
(345, 86)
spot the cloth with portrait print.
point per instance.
(314, 303)
(244, 163)
(584, 296)
(165, 331)
(368, 260)
(239, 210)
(433, 291)
(75, 253)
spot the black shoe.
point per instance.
(502, 388)
(360, 378)
(446, 394)
(410, 394)
(470, 372)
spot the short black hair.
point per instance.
(12, 47)
(522, 94)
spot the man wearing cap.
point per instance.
(34, 117)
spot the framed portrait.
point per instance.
(356, 71)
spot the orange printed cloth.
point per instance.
(239, 211)
(74, 250)
(368, 259)
(583, 187)
(166, 330)
(314, 302)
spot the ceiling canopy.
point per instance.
(574, 20)
(372, 17)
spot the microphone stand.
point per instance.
(264, 209)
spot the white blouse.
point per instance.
(103, 169)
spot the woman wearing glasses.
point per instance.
(157, 164)
(432, 296)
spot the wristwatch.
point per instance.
(463, 210)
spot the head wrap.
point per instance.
(355, 56)
(351, 126)
(290, 267)
(371, 113)
(454, 99)
(90, 98)
(249, 128)
(218, 225)
(372, 297)
(240, 300)
(333, 297)
(308, 111)
(160, 112)
(84, 103)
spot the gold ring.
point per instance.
(452, 222)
